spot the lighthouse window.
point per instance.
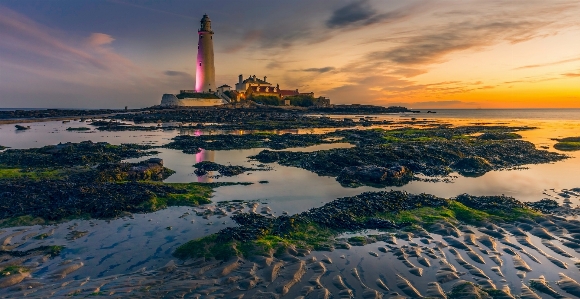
(200, 64)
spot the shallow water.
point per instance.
(128, 244)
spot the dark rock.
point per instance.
(372, 174)
(472, 166)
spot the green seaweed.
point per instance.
(567, 146)
(181, 194)
(10, 270)
(25, 220)
(32, 173)
(195, 194)
(456, 212)
(310, 235)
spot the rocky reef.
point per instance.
(85, 153)
(86, 179)
(395, 157)
(205, 167)
(477, 237)
(38, 202)
(314, 229)
(193, 144)
(568, 144)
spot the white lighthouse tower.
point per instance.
(205, 74)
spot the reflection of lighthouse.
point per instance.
(203, 155)
(205, 74)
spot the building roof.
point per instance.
(263, 89)
(255, 80)
(225, 85)
(288, 92)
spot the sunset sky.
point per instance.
(420, 54)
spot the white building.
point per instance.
(224, 88)
(253, 81)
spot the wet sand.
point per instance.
(392, 266)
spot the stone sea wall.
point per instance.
(170, 100)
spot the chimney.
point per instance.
(296, 90)
(265, 79)
(240, 78)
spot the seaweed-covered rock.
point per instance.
(341, 214)
(372, 174)
(22, 128)
(434, 153)
(472, 166)
(203, 168)
(568, 144)
(490, 203)
(193, 144)
(58, 199)
(148, 170)
(499, 136)
(72, 154)
(545, 205)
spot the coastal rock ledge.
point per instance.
(170, 100)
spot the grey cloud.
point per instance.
(381, 88)
(320, 70)
(361, 13)
(431, 47)
(459, 32)
(408, 72)
(247, 40)
(351, 13)
(176, 73)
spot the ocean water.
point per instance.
(503, 114)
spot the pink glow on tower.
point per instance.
(205, 74)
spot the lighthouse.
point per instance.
(205, 74)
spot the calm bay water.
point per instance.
(505, 114)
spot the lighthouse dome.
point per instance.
(205, 23)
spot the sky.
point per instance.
(414, 53)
